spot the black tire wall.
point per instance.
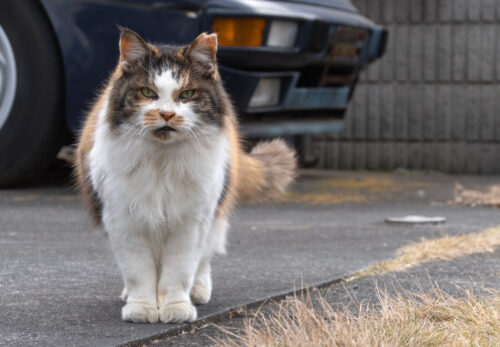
(35, 128)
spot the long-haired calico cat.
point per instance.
(160, 166)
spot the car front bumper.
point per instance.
(305, 103)
(292, 98)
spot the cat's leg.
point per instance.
(202, 287)
(135, 259)
(179, 261)
(215, 243)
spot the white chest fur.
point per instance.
(157, 185)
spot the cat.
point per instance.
(160, 166)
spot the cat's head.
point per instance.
(167, 93)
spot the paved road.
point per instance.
(477, 273)
(59, 284)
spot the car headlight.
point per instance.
(249, 32)
(282, 33)
(267, 93)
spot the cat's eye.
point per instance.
(148, 93)
(187, 94)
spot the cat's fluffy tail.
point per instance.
(267, 171)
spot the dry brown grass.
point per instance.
(474, 198)
(444, 248)
(434, 319)
(403, 319)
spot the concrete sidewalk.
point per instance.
(477, 273)
(59, 284)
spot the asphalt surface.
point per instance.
(59, 284)
(479, 273)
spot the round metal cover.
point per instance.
(416, 220)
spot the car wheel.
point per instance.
(32, 127)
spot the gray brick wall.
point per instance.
(433, 101)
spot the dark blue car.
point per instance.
(290, 66)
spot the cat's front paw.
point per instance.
(177, 312)
(200, 293)
(139, 313)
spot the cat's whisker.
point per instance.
(197, 136)
(134, 132)
(193, 135)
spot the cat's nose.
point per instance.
(167, 115)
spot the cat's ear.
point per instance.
(204, 50)
(133, 49)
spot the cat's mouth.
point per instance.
(163, 131)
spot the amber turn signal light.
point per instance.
(234, 31)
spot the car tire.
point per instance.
(32, 126)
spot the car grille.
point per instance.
(342, 63)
